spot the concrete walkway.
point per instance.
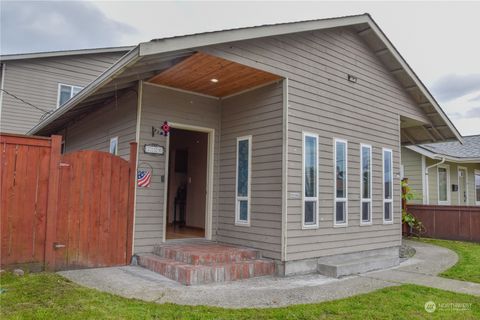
(136, 282)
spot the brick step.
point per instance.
(189, 274)
(205, 254)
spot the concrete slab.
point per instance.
(137, 282)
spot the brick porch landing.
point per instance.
(203, 262)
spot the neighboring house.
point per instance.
(285, 138)
(35, 84)
(451, 169)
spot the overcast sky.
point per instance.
(440, 40)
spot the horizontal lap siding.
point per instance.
(321, 100)
(433, 177)
(96, 129)
(159, 105)
(36, 81)
(412, 169)
(257, 113)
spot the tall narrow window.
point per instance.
(366, 184)
(114, 146)
(340, 183)
(242, 205)
(387, 186)
(310, 180)
(477, 187)
(443, 177)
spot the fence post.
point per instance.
(131, 200)
(52, 201)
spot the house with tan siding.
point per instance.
(35, 84)
(445, 173)
(283, 138)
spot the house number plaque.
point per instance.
(153, 149)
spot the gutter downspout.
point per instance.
(427, 191)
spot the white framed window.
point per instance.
(443, 184)
(477, 187)
(340, 183)
(66, 92)
(113, 149)
(365, 184)
(387, 160)
(309, 180)
(243, 180)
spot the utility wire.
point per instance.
(26, 102)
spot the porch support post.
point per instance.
(131, 200)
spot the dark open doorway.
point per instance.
(187, 184)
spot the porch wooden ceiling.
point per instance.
(196, 73)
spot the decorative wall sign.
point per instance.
(163, 131)
(153, 148)
(144, 175)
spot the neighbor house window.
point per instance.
(310, 180)
(366, 184)
(340, 183)
(387, 186)
(477, 187)
(243, 172)
(443, 181)
(66, 92)
(114, 146)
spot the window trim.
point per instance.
(238, 222)
(71, 91)
(110, 146)
(369, 200)
(304, 199)
(447, 168)
(335, 199)
(475, 172)
(466, 184)
(390, 221)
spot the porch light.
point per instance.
(214, 80)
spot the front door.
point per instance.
(462, 187)
(187, 184)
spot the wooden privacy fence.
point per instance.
(64, 211)
(449, 222)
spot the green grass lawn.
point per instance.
(468, 266)
(50, 296)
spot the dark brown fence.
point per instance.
(64, 211)
(449, 222)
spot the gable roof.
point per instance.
(469, 151)
(149, 58)
(61, 53)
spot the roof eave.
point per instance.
(415, 78)
(50, 54)
(433, 155)
(217, 37)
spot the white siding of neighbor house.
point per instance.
(322, 101)
(412, 169)
(453, 166)
(36, 81)
(159, 105)
(257, 113)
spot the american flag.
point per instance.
(143, 178)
